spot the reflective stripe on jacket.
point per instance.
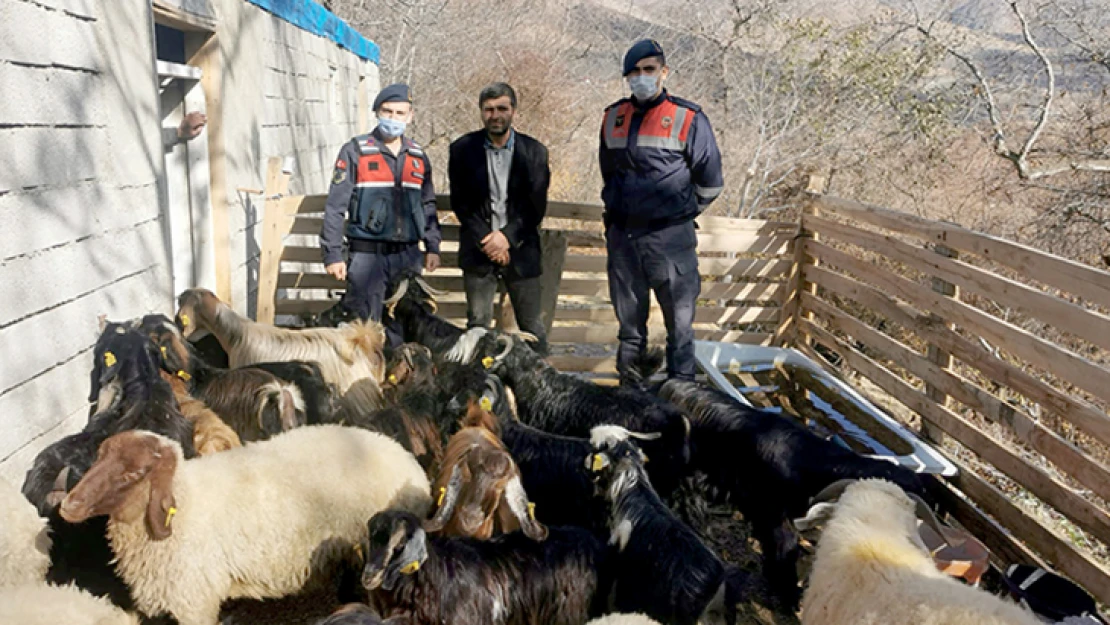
(385, 207)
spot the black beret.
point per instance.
(639, 51)
(397, 92)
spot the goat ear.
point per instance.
(818, 514)
(596, 462)
(522, 510)
(102, 321)
(161, 508)
(448, 498)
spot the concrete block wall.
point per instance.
(80, 210)
(296, 94)
(82, 206)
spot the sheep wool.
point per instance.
(872, 569)
(623, 619)
(24, 540)
(260, 520)
(39, 604)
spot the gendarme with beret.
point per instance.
(641, 50)
(397, 92)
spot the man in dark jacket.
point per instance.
(382, 184)
(661, 169)
(499, 179)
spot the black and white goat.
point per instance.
(413, 305)
(770, 466)
(662, 567)
(126, 381)
(569, 405)
(507, 580)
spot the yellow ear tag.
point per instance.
(109, 359)
(410, 568)
(442, 494)
(531, 510)
(184, 376)
(485, 404)
(184, 319)
(169, 515)
(163, 349)
(487, 362)
(598, 463)
(393, 378)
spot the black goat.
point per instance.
(507, 580)
(770, 466)
(126, 377)
(569, 405)
(553, 473)
(662, 567)
(257, 400)
(413, 305)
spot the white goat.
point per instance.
(350, 356)
(624, 619)
(258, 521)
(873, 569)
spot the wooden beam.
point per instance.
(1049, 489)
(275, 225)
(1060, 314)
(1066, 275)
(607, 333)
(1046, 355)
(210, 60)
(936, 354)
(1071, 460)
(170, 15)
(554, 256)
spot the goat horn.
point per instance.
(428, 288)
(816, 514)
(649, 436)
(398, 294)
(832, 491)
(925, 513)
(528, 337)
(448, 498)
(507, 341)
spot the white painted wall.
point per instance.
(81, 215)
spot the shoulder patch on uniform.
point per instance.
(339, 176)
(684, 103)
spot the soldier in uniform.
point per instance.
(661, 168)
(382, 184)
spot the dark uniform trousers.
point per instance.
(524, 293)
(664, 261)
(373, 275)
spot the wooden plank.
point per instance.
(276, 222)
(1048, 356)
(168, 14)
(1067, 457)
(1055, 548)
(1070, 276)
(210, 60)
(1060, 314)
(1061, 404)
(607, 333)
(587, 364)
(1058, 495)
(708, 314)
(937, 355)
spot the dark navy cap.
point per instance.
(639, 51)
(397, 92)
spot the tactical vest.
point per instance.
(664, 126)
(384, 208)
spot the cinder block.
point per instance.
(46, 95)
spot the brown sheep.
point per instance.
(210, 434)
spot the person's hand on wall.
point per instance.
(431, 262)
(337, 270)
(191, 125)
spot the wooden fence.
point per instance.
(940, 318)
(744, 266)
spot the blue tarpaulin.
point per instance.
(314, 18)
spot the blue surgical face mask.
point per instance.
(643, 87)
(391, 128)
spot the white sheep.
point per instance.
(39, 604)
(872, 569)
(24, 559)
(260, 521)
(623, 619)
(24, 539)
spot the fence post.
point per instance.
(275, 225)
(935, 354)
(789, 330)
